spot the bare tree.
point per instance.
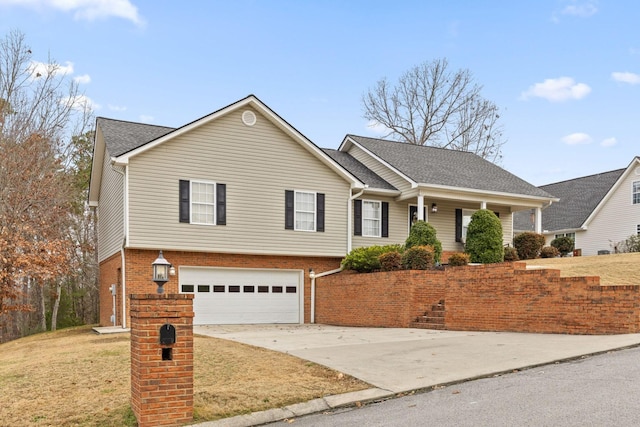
(39, 108)
(430, 105)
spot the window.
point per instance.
(371, 218)
(636, 192)
(466, 220)
(202, 202)
(638, 229)
(571, 235)
(305, 210)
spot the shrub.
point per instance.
(549, 252)
(484, 238)
(528, 244)
(564, 245)
(418, 257)
(458, 259)
(390, 261)
(424, 234)
(630, 244)
(510, 254)
(365, 260)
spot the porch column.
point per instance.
(483, 205)
(421, 208)
(538, 220)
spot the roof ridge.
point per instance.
(410, 144)
(584, 177)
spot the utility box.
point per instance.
(162, 359)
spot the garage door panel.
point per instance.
(234, 296)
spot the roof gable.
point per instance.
(441, 167)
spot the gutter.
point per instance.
(313, 276)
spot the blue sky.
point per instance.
(566, 74)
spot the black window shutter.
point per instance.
(458, 225)
(357, 217)
(385, 219)
(221, 204)
(288, 209)
(184, 201)
(320, 212)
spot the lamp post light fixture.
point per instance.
(161, 270)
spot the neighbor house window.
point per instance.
(636, 192)
(371, 218)
(305, 209)
(571, 235)
(638, 229)
(203, 202)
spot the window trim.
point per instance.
(296, 210)
(192, 203)
(379, 219)
(635, 193)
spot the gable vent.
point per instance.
(249, 118)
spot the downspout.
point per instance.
(313, 276)
(124, 244)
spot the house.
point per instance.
(243, 206)
(597, 211)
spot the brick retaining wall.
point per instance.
(493, 297)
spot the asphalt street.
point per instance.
(601, 390)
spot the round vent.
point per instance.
(249, 118)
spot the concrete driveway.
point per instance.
(400, 360)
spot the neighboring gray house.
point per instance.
(597, 211)
(243, 205)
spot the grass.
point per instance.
(75, 377)
(614, 269)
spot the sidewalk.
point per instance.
(403, 360)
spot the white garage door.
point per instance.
(227, 296)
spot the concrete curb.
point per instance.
(300, 409)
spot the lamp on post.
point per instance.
(161, 270)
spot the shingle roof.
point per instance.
(121, 137)
(578, 198)
(439, 166)
(357, 169)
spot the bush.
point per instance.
(564, 245)
(458, 259)
(484, 238)
(528, 244)
(424, 234)
(549, 252)
(390, 261)
(510, 254)
(418, 257)
(630, 244)
(365, 260)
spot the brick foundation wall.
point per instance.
(109, 275)
(161, 385)
(495, 297)
(138, 271)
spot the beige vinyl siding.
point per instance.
(444, 222)
(257, 164)
(110, 211)
(381, 170)
(615, 221)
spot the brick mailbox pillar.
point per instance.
(162, 359)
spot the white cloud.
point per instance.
(83, 79)
(377, 128)
(145, 118)
(557, 90)
(39, 69)
(116, 107)
(581, 10)
(89, 10)
(83, 102)
(626, 77)
(577, 139)
(609, 142)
